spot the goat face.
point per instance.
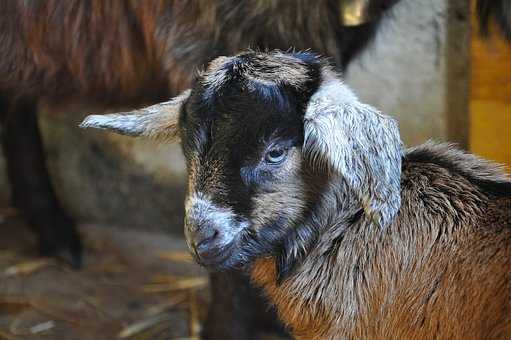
(241, 133)
(263, 134)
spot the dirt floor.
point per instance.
(134, 285)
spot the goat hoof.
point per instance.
(59, 238)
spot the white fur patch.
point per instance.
(357, 142)
(157, 121)
(202, 210)
(268, 70)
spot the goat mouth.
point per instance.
(215, 258)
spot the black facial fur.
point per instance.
(251, 116)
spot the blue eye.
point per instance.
(276, 156)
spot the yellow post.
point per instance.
(490, 96)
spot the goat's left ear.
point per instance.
(355, 141)
(158, 121)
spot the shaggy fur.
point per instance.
(116, 51)
(440, 270)
(350, 236)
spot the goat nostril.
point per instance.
(205, 237)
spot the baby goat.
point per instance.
(292, 178)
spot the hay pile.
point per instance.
(132, 286)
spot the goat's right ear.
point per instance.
(158, 121)
(358, 143)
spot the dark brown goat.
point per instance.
(352, 237)
(111, 51)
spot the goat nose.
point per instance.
(203, 237)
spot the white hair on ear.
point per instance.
(157, 121)
(355, 141)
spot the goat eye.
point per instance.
(276, 156)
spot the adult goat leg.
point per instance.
(31, 189)
(238, 310)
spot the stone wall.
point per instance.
(417, 70)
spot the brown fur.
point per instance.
(104, 49)
(117, 51)
(441, 270)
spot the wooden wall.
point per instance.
(490, 97)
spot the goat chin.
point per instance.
(439, 270)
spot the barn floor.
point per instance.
(133, 285)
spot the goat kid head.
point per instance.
(263, 134)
